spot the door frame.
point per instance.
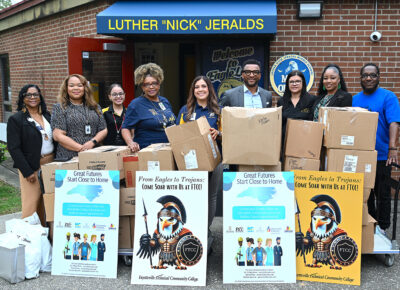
(78, 45)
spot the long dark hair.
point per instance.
(342, 83)
(288, 94)
(212, 100)
(21, 97)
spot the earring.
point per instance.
(323, 88)
(24, 108)
(40, 109)
(339, 86)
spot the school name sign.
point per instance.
(184, 25)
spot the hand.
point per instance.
(134, 146)
(392, 157)
(214, 133)
(88, 145)
(299, 238)
(31, 178)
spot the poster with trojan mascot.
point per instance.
(328, 226)
(171, 224)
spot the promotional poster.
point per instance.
(86, 220)
(259, 237)
(222, 64)
(328, 226)
(170, 241)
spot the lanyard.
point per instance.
(115, 121)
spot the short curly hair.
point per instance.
(148, 69)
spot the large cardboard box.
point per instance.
(365, 214)
(193, 147)
(349, 128)
(157, 157)
(132, 225)
(366, 193)
(48, 199)
(260, 168)
(353, 161)
(251, 136)
(127, 200)
(303, 139)
(104, 158)
(294, 163)
(124, 233)
(48, 172)
(367, 238)
(131, 165)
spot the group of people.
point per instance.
(83, 250)
(77, 122)
(259, 256)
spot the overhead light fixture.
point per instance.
(309, 9)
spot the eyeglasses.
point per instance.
(148, 85)
(372, 76)
(29, 95)
(249, 72)
(121, 94)
(297, 82)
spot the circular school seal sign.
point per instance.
(284, 65)
(344, 250)
(189, 250)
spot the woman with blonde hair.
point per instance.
(77, 121)
(148, 115)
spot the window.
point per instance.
(5, 87)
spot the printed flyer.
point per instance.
(86, 219)
(170, 241)
(259, 238)
(328, 226)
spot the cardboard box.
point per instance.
(366, 193)
(157, 157)
(294, 163)
(354, 161)
(303, 139)
(124, 233)
(132, 225)
(251, 136)
(48, 199)
(349, 128)
(367, 238)
(48, 172)
(365, 214)
(131, 165)
(193, 147)
(104, 158)
(260, 168)
(127, 199)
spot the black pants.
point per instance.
(379, 201)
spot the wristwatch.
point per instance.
(94, 142)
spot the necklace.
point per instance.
(162, 107)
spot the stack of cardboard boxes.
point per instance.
(303, 141)
(252, 138)
(350, 135)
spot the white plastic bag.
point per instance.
(46, 253)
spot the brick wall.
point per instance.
(341, 36)
(38, 50)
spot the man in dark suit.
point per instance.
(250, 95)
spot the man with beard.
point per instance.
(385, 102)
(278, 253)
(250, 95)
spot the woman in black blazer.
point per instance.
(30, 143)
(332, 90)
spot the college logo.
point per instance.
(344, 250)
(112, 227)
(250, 229)
(284, 65)
(288, 230)
(68, 225)
(230, 230)
(59, 225)
(189, 250)
(239, 229)
(77, 225)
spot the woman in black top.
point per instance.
(30, 143)
(115, 115)
(296, 102)
(332, 90)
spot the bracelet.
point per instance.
(392, 148)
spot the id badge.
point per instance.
(162, 106)
(193, 117)
(87, 130)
